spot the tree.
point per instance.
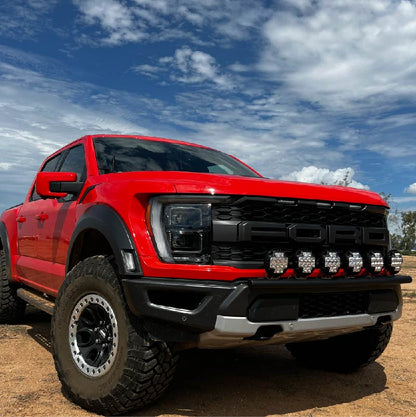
(409, 229)
(394, 221)
(397, 242)
(386, 197)
(402, 226)
(346, 179)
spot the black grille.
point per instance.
(276, 307)
(333, 304)
(247, 228)
(242, 252)
(300, 211)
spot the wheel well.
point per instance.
(1, 245)
(90, 242)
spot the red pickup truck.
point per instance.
(140, 247)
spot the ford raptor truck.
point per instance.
(140, 247)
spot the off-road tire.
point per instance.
(345, 353)
(141, 369)
(12, 308)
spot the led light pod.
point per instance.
(354, 262)
(306, 262)
(331, 263)
(375, 262)
(394, 262)
(277, 263)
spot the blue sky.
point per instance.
(308, 90)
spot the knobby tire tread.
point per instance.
(12, 308)
(149, 367)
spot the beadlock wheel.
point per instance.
(93, 335)
(106, 361)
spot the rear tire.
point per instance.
(105, 364)
(12, 308)
(345, 353)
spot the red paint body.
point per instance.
(40, 231)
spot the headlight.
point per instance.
(181, 231)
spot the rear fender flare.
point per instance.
(6, 247)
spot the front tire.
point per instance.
(105, 364)
(345, 353)
(12, 308)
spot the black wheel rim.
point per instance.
(93, 335)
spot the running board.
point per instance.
(36, 300)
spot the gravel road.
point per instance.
(242, 382)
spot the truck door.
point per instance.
(27, 230)
(59, 218)
(29, 221)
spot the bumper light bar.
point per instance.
(278, 262)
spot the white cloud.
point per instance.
(312, 174)
(4, 166)
(115, 18)
(157, 20)
(341, 53)
(23, 19)
(411, 189)
(401, 200)
(196, 67)
(239, 68)
(150, 71)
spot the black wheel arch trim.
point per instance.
(6, 247)
(107, 221)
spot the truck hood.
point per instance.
(213, 184)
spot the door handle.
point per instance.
(21, 219)
(41, 217)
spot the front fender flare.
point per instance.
(108, 222)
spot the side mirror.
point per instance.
(57, 184)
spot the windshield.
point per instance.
(130, 154)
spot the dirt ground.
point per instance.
(246, 382)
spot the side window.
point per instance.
(50, 166)
(75, 162)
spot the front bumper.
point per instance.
(219, 314)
